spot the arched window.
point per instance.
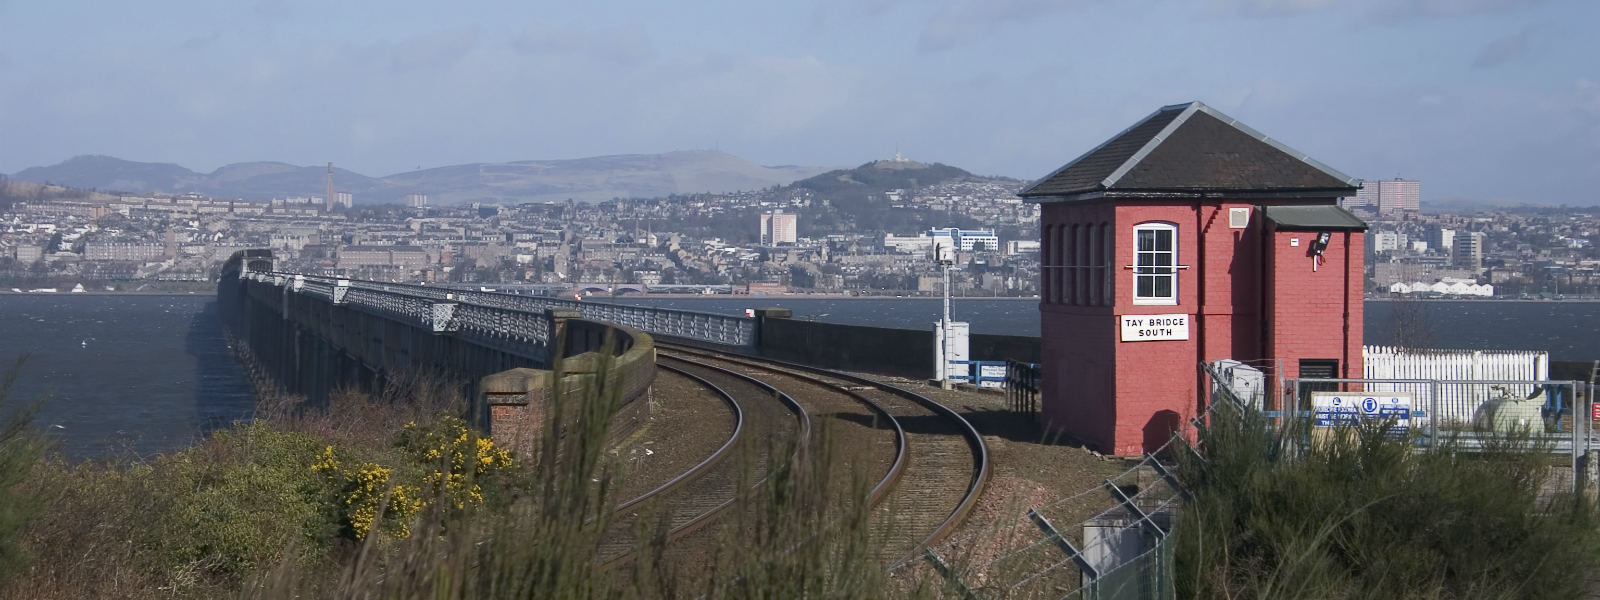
(1107, 254)
(1080, 275)
(1155, 262)
(1048, 275)
(1069, 270)
(1096, 264)
(1061, 261)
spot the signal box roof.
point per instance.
(1314, 217)
(1191, 151)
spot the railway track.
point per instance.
(938, 465)
(695, 498)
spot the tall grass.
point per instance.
(245, 513)
(20, 449)
(1357, 512)
(541, 544)
(786, 540)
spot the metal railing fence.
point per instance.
(413, 303)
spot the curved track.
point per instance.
(939, 467)
(696, 497)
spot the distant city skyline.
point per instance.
(1488, 100)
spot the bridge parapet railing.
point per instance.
(317, 287)
(408, 308)
(709, 327)
(721, 329)
(485, 322)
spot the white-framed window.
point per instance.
(1155, 263)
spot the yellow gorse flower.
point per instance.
(459, 459)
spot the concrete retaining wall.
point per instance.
(880, 350)
(520, 400)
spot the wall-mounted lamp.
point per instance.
(1321, 243)
(1318, 245)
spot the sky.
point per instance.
(1482, 100)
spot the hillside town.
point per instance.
(802, 238)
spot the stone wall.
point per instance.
(519, 400)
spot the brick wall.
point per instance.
(1315, 313)
(1127, 397)
(519, 402)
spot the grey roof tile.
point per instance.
(1191, 148)
(1316, 217)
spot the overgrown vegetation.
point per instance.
(395, 496)
(19, 451)
(1358, 513)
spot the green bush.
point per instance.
(238, 500)
(20, 449)
(1359, 513)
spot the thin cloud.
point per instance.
(1371, 8)
(269, 9)
(1270, 8)
(964, 22)
(826, 13)
(434, 50)
(1453, 8)
(201, 42)
(626, 46)
(1506, 49)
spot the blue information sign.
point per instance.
(1330, 409)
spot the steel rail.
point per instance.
(896, 467)
(802, 436)
(981, 471)
(716, 457)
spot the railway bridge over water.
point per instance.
(312, 334)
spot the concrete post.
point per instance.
(558, 318)
(762, 314)
(517, 408)
(1589, 478)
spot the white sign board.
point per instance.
(1334, 408)
(988, 374)
(1150, 328)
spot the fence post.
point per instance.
(951, 577)
(1591, 458)
(1086, 569)
(1433, 415)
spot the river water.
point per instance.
(148, 374)
(122, 376)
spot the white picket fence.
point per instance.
(1457, 403)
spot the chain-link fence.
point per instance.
(1110, 542)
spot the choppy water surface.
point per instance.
(119, 374)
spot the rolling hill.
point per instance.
(582, 179)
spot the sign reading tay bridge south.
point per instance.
(1149, 328)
